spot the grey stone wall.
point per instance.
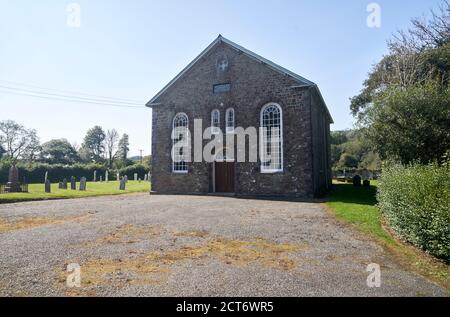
(253, 86)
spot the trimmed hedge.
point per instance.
(35, 173)
(416, 201)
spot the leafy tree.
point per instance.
(17, 141)
(112, 137)
(93, 146)
(58, 152)
(2, 151)
(123, 149)
(348, 161)
(411, 124)
(405, 100)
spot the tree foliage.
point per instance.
(112, 137)
(404, 102)
(17, 141)
(93, 147)
(349, 151)
(58, 152)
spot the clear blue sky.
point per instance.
(131, 49)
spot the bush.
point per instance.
(140, 169)
(35, 173)
(416, 201)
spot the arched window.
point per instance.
(215, 121)
(271, 139)
(229, 118)
(180, 143)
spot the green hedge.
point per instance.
(416, 201)
(56, 173)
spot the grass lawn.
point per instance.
(37, 191)
(357, 206)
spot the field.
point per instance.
(358, 206)
(37, 191)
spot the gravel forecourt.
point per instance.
(142, 245)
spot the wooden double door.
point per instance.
(224, 177)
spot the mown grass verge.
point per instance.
(37, 191)
(358, 207)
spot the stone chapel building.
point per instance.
(228, 86)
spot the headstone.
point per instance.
(140, 180)
(145, 177)
(48, 186)
(149, 178)
(101, 179)
(135, 177)
(122, 184)
(45, 177)
(357, 181)
(64, 183)
(60, 185)
(13, 185)
(83, 184)
(73, 183)
(125, 178)
(95, 176)
(366, 183)
(106, 176)
(118, 176)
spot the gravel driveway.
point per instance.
(141, 245)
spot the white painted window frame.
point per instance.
(215, 129)
(264, 169)
(230, 129)
(175, 171)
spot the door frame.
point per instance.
(214, 172)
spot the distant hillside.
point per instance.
(349, 151)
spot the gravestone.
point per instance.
(107, 176)
(357, 181)
(64, 183)
(95, 176)
(73, 183)
(118, 176)
(149, 178)
(140, 180)
(83, 184)
(13, 185)
(135, 177)
(45, 177)
(145, 177)
(125, 178)
(101, 179)
(122, 184)
(366, 183)
(60, 185)
(48, 186)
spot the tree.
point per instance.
(416, 56)
(93, 146)
(2, 151)
(123, 149)
(112, 137)
(404, 105)
(411, 124)
(58, 152)
(17, 141)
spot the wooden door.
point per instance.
(224, 177)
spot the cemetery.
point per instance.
(66, 188)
